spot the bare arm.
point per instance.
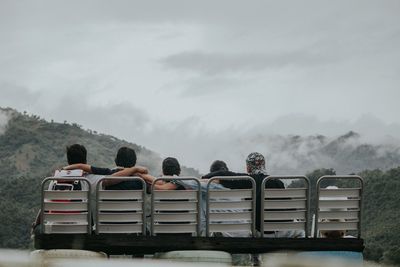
(124, 173)
(166, 186)
(84, 167)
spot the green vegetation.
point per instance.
(31, 149)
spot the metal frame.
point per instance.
(180, 179)
(248, 178)
(89, 213)
(130, 178)
(286, 177)
(339, 177)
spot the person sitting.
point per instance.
(219, 168)
(125, 158)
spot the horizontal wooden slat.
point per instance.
(282, 226)
(66, 217)
(339, 204)
(233, 193)
(340, 192)
(120, 205)
(175, 194)
(285, 204)
(230, 216)
(120, 228)
(353, 225)
(120, 217)
(58, 194)
(66, 228)
(338, 214)
(175, 228)
(289, 192)
(175, 217)
(227, 205)
(175, 205)
(285, 215)
(229, 227)
(121, 194)
(66, 206)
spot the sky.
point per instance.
(193, 79)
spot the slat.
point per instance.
(285, 215)
(66, 217)
(121, 194)
(247, 204)
(175, 228)
(175, 205)
(120, 228)
(285, 204)
(65, 195)
(175, 194)
(289, 192)
(353, 225)
(354, 214)
(120, 205)
(120, 217)
(339, 204)
(66, 228)
(229, 227)
(175, 217)
(230, 216)
(233, 193)
(282, 226)
(340, 192)
(66, 206)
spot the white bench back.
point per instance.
(285, 209)
(175, 211)
(120, 211)
(231, 210)
(65, 211)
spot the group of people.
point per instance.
(126, 159)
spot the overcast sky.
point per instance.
(183, 77)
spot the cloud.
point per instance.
(207, 63)
(4, 118)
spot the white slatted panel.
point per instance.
(286, 193)
(226, 205)
(175, 206)
(120, 217)
(285, 215)
(66, 206)
(65, 217)
(230, 216)
(66, 228)
(120, 228)
(120, 205)
(339, 204)
(230, 227)
(175, 228)
(340, 192)
(65, 195)
(233, 193)
(330, 225)
(121, 194)
(285, 204)
(282, 226)
(174, 194)
(175, 217)
(338, 214)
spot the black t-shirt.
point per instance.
(124, 185)
(232, 184)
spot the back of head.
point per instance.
(170, 166)
(255, 163)
(126, 157)
(218, 165)
(76, 154)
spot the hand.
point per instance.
(141, 170)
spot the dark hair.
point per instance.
(126, 157)
(76, 154)
(170, 166)
(218, 165)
